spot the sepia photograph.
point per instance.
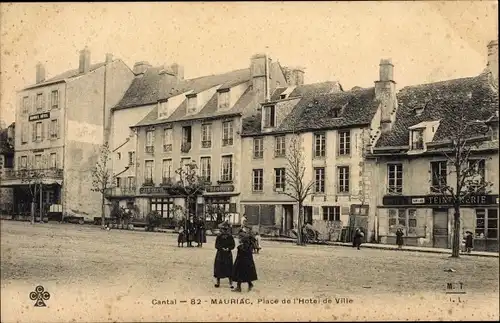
(249, 161)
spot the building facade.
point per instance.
(61, 124)
(333, 127)
(200, 120)
(411, 163)
(6, 165)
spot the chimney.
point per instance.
(385, 93)
(178, 71)
(109, 58)
(40, 73)
(168, 78)
(141, 67)
(259, 73)
(84, 65)
(493, 59)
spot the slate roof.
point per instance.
(315, 109)
(144, 89)
(440, 101)
(319, 88)
(66, 75)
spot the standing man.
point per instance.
(223, 264)
(200, 232)
(399, 238)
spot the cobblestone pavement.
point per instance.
(96, 275)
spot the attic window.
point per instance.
(223, 99)
(335, 113)
(269, 116)
(283, 96)
(191, 104)
(417, 139)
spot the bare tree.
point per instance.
(466, 138)
(190, 185)
(33, 178)
(296, 186)
(102, 177)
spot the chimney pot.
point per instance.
(84, 65)
(40, 73)
(386, 70)
(141, 67)
(493, 59)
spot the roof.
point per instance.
(65, 76)
(322, 87)
(197, 85)
(143, 90)
(315, 111)
(440, 101)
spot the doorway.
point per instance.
(287, 218)
(440, 228)
(308, 214)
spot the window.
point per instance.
(192, 104)
(258, 147)
(206, 169)
(148, 171)
(227, 168)
(131, 158)
(227, 133)
(118, 182)
(223, 100)
(131, 182)
(343, 184)
(54, 99)
(395, 178)
(494, 132)
(185, 161)
(26, 104)
(279, 146)
(279, 179)
(319, 175)
(206, 135)
(186, 139)
(331, 213)
(150, 139)
(54, 129)
(438, 175)
(165, 207)
(166, 170)
(403, 218)
(167, 139)
(344, 142)
(282, 96)
(24, 162)
(39, 102)
(486, 223)
(319, 145)
(24, 133)
(53, 160)
(37, 132)
(269, 116)
(417, 139)
(118, 156)
(38, 161)
(478, 173)
(258, 177)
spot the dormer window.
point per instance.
(223, 99)
(283, 96)
(494, 132)
(192, 103)
(417, 139)
(269, 116)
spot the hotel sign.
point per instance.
(153, 190)
(219, 189)
(39, 116)
(437, 200)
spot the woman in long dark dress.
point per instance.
(200, 232)
(358, 237)
(223, 265)
(244, 270)
(399, 238)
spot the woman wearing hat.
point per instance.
(244, 267)
(223, 265)
(468, 242)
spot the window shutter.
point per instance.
(19, 162)
(43, 131)
(232, 207)
(33, 131)
(316, 212)
(44, 162)
(44, 101)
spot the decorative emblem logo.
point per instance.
(39, 295)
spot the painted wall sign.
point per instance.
(437, 200)
(39, 116)
(153, 190)
(219, 188)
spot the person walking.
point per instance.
(469, 240)
(358, 237)
(244, 270)
(223, 264)
(190, 231)
(399, 238)
(200, 232)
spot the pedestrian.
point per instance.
(399, 238)
(469, 242)
(223, 264)
(358, 236)
(200, 232)
(189, 231)
(244, 270)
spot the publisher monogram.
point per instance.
(40, 295)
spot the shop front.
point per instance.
(427, 220)
(218, 203)
(159, 199)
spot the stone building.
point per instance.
(6, 165)
(409, 162)
(200, 120)
(61, 122)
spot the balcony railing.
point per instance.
(25, 174)
(395, 190)
(227, 142)
(148, 182)
(206, 144)
(167, 148)
(150, 149)
(121, 191)
(185, 147)
(167, 181)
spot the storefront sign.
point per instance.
(219, 189)
(39, 116)
(437, 200)
(153, 190)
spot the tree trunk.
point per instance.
(299, 225)
(455, 245)
(32, 212)
(103, 215)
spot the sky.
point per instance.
(334, 41)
